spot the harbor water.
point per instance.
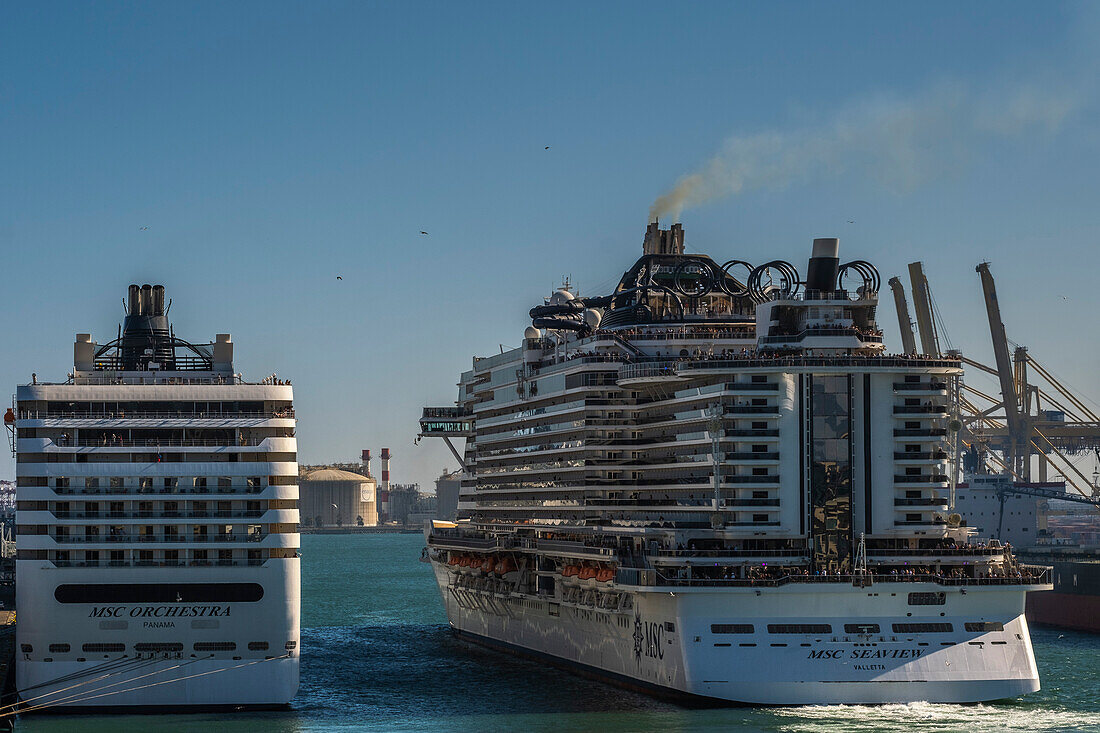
(377, 656)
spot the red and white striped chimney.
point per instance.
(384, 492)
(366, 462)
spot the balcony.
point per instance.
(920, 386)
(922, 501)
(920, 409)
(99, 516)
(286, 413)
(171, 539)
(938, 455)
(136, 490)
(935, 478)
(158, 563)
(920, 432)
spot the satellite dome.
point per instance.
(532, 333)
(593, 316)
(561, 297)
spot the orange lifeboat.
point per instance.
(504, 566)
(605, 574)
(569, 571)
(9, 417)
(586, 572)
(488, 565)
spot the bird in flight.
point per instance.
(424, 233)
(851, 221)
(143, 228)
(339, 278)
(547, 147)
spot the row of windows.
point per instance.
(116, 648)
(868, 628)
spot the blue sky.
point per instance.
(269, 147)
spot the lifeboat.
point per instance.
(569, 571)
(587, 572)
(504, 566)
(605, 574)
(488, 565)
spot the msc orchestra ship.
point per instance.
(713, 483)
(157, 546)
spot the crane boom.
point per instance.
(922, 306)
(1005, 370)
(908, 342)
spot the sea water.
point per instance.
(377, 656)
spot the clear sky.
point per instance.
(271, 147)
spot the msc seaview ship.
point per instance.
(715, 487)
(157, 526)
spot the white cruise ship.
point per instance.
(714, 483)
(157, 527)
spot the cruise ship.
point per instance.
(157, 526)
(715, 484)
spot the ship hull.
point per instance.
(665, 644)
(1065, 611)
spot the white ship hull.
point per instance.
(96, 654)
(664, 643)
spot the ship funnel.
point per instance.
(146, 336)
(135, 301)
(147, 300)
(824, 265)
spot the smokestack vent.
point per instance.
(663, 241)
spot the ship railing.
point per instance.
(163, 443)
(172, 539)
(740, 361)
(124, 490)
(936, 551)
(28, 414)
(465, 543)
(161, 515)
(726, 553)
(1033, 576)
(573, 548)
(156, 563)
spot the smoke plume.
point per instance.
(898, 142)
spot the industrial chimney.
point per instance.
(365, 459)
(384, 492)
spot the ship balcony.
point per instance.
(648, 373)
(269, 516)
(245, 539)
(447, 422)
(903, 410)
(162, 492)
(936, 478)
(925, 522)
(48, 418)
(942, 555)
(920, 456)
(920, 432)
(928, 501)
(160, 563)
(921, 388)
(753, 457)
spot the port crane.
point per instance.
(1035, 415)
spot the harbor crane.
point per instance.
(1031, 418)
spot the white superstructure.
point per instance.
(699, 486)
(157, 527)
